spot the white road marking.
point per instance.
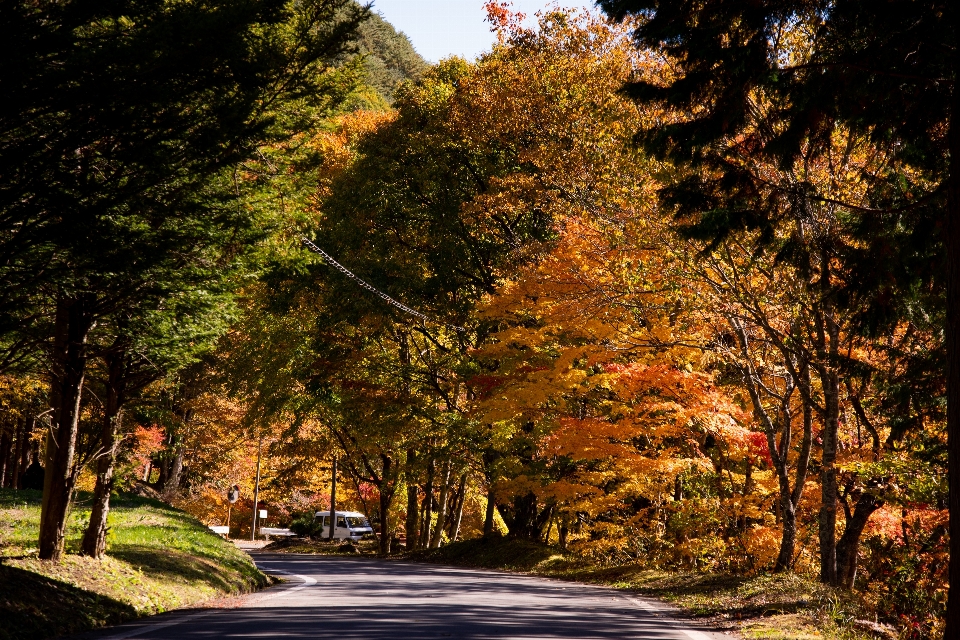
(307, 582)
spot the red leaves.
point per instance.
(759, 447)
(501, 16)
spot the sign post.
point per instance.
(233, 494)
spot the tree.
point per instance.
(439, 204)
(777, 292)
(389, 57)
(885, 73)
(149, 340)
(97, 207)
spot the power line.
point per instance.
(399, 305)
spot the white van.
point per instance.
(350, 524)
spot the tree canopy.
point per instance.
(667, 289)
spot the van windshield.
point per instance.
(355, 523)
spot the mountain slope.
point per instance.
(390, 57)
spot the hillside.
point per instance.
(158, 559)
(390, 57)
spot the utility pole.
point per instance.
(333, 499)
(256, 492)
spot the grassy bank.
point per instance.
(323, 547)
(769, 607)
(159, 559)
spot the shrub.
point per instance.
(306, 526)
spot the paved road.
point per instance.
(361, 599)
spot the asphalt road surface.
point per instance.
(361, 599)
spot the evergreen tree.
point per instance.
(120, 123)
(389, 57)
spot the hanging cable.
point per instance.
(399, 305)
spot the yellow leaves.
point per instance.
(337, 145)
(762, 542)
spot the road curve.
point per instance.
(362, 599)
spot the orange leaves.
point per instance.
(146, 441)
(591, 385)
(656, 404)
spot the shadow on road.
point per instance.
(364, 599)
(374, 599)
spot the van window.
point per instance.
(357, 523)
(326, 521)
(340, 523)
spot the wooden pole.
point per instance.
(333, 499)
(256, 493)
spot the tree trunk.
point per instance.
(163, 470)
(172, 484)
(387, 487)
(6, 453)
(747, 491)
(94, 542)
(333, 499)
(441, 508)
(452, 504)
(952, 241)
(413, 515)
(28, 452)
(849, 543)
(828, 479)
(463, 498)
(17, 454)
(790, 500)
(488, 518)
(543, 524)
(68, 365)
(427, 509)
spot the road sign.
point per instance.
(263, 514)
(233, 494)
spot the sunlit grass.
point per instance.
(159, 559)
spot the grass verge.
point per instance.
(158, 559)
(767, 606)
(366, 547)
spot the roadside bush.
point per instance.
(907, 575)
(306, 526)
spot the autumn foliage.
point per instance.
(589, 370)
